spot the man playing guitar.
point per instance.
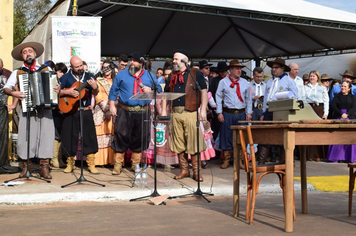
(71, 121)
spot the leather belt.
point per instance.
(315, 105)
(133, 108)
(233, 111)
(179, 109)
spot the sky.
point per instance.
(345, 5)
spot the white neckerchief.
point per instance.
(81, 80)
(313, 88)
(258, 91)
(274, 87)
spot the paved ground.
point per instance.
(40, 208)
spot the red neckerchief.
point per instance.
(32, 67)
(177, 75)
(237, 87)
(137, 82)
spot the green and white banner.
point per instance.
(77, 36)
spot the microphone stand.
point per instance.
(28, 174)
(155, 192)
(81, 177)
(198, 192)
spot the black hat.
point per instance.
(279, 61)
(204, 63)
(137, 55)
(213, 69)
(221, 66)
(183, 51)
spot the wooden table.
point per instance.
(290, 135)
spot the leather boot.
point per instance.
(135, 160)
(91, 163)
(70, 164)
(183, 162)
(282, 156)
(195, 169)
(119, 158)
(44, 169)
(24, 168)
(56, 161)
(226, 160)
(262, 155)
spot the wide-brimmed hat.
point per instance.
(221, 66)
(16, 52)
(266, 77)
(325, 77)
(213, 68)
(279, 61)
(348, 73)
(204, 63)
(305, 77)
(234, 63)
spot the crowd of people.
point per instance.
(115, 125)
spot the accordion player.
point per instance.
(38, 88)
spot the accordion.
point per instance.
(38, 88)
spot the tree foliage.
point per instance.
(27, 13)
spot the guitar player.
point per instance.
(71, 120)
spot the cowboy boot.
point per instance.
(183, 162)
(44, 169)
(24, 168)
(226, 160)
(119, 158)
(91, 163)
(135, 160)
(195, 168)
(70, 164)
(282, 156)
(56, 161)
(262, 155)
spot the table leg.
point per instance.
(289, 145)
(303, 178)
(236, 185)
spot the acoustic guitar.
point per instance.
(68, 104)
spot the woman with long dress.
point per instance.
(344, 107)
(317, 96)
(104, 125)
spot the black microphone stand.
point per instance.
(28, 174)
(198, 192)
(155, 192)
(81, 178)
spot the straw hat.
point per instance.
(16, 52)
(325, 77)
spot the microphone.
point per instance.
(30, 60)
(80, 72)
(141, 85)
(184, 61)
(143, 59)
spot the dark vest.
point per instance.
(190, 92)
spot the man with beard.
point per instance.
(71, 120)
(42, 127)
(183, 140)
(130, 129)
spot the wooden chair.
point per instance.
(351, 184)
(252, 171)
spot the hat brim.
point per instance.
(228, 67)
(286, 68)
(16, 52)
(353, 77)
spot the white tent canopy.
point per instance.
(211, 29)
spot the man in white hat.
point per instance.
(42, 126)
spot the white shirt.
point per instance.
(317, 94)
